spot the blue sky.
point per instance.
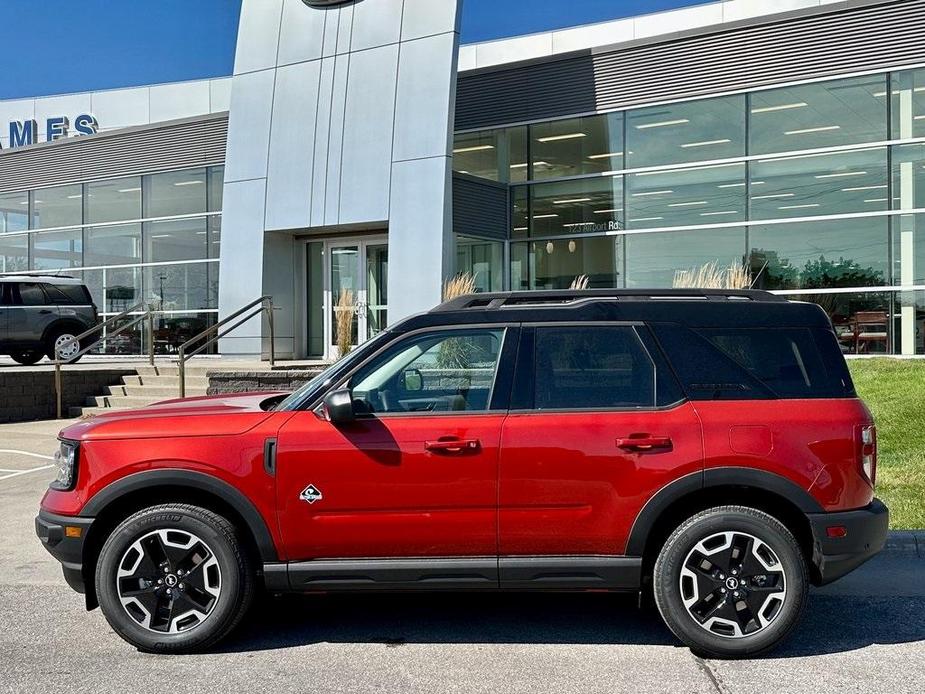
(60, 46)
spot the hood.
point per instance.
(214, 415)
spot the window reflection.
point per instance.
(482, 259)
(818, 255)
(908, 249)
(557, 264)
(175, 193)
(698, 195)
(113, 245)
(14, 252)
(907, 93)
(52, 250)
(686, 132)
(177, 287)
(498, 155)
(14, 212)
(819, 184)
(653, 259)
(181, 239)
(574, 146)
(822, 114)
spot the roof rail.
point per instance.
(51, 274)
(567, 297)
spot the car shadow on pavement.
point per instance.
(830, 625)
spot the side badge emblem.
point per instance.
(311, 494)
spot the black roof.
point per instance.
(692, 307)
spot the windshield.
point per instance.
(331, 374)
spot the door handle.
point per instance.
(643, 442)
(44, 311)
(453, 445)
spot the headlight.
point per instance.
(66, 465)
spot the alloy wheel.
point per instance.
(733, 584)
(169, 581)
(66, 351)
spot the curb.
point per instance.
(906, 542)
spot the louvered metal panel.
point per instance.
(479, 208)
(177, 145)
(857, 39)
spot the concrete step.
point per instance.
(165, 381)
(124, 402)
(158, 391)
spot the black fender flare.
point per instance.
(673, 492)
(192, 480)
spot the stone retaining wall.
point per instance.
(29, 394)
(257, 381)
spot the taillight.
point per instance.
(867, 452)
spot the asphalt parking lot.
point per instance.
(865, 633)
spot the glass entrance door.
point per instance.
(357, 294)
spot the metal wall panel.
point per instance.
(480, 208)
(164, 147)
(798, 48)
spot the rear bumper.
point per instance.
(63, 546)
(864, 536)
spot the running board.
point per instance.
(456, 574)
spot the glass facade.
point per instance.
(153, 238)
(817, 190)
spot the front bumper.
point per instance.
(864, 536)
(63, 545)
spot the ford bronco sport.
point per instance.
(706, 446)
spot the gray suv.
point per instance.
(38, 314)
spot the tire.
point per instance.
(147, 556)
(714, 550)
(72, 348)
(27, 357)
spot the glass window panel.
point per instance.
(181, 239)
(113, 245)
(482, 259)
(908, 104)
(558, 264)
(699, 195)
(909, 323)
(690, 131)
(862, 321)
(909, 249)
(908, 163)
(654, 260)
(575, 146)
(114, 201)
(216, 188)
(592, 367)
(14, 212)
(173, 329)
(57, 207)
(823, 114)
(175, 192)
(581, 206)
(121, 288)
(52, 250)
(816, 185)
(215, 235)
(14, 252)
(818, 255)
(177, 287)
(499, 155)
(520, 224)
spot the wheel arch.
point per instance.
(116, 502)
(69, 324)
(765, 491)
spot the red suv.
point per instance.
(707, 446)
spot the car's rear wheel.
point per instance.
(174, 578)
(731, 582)
(27, 357)
(61, 344)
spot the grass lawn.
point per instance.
(894, 390)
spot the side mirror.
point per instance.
(412, 381)
(337, 407)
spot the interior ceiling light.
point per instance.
(774, 195)
(663, 123)
(474, 148)
(798, 207)
(706, 143)
(804, 131)
(841, 174)
(608, 211)
(780, 107)
(651, 192)
(544, 216)
(188, 183)
(556, 138)
(687, 204)
(569, 201)
(129, 190)
(607, 155)
(712, 214)
(647, 219)
(851, 190)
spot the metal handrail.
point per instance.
(147, 315)
(262, 305)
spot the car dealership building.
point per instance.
(359, 148)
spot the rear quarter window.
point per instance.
(68, 294)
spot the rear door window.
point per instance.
(67, 294)
(591, 367)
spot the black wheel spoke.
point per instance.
(708, 605)
(193, 558)
(155, 551)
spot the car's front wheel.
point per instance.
(174, 578)
(731, 582)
